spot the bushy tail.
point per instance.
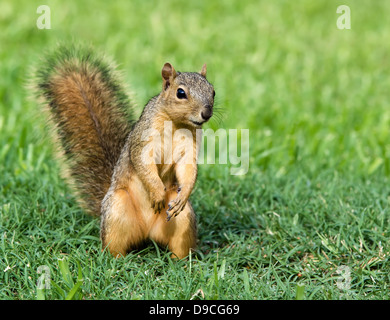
(92, 114)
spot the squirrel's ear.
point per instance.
(168, 74)
(204, 70)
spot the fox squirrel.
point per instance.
(104, 147)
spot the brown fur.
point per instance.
(91, 123)
(157, 188)
(138, 201)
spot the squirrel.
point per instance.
(105, 148)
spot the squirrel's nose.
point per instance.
(206, 114)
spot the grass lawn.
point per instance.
(313, 210)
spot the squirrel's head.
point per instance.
(188, 96)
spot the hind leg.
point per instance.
(179, 233)
(122, 226)
(183, 239)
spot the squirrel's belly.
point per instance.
(143, 205)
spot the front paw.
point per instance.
(176, 206)
(158, 201)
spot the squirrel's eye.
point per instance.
(213, 93)
(181, 94)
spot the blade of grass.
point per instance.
(72, 293)
(41, 294)
(66, 275)
(246, 281)
(300, 292)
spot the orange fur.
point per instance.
(137, 201)
(156, 187)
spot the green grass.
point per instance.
(316, 197)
